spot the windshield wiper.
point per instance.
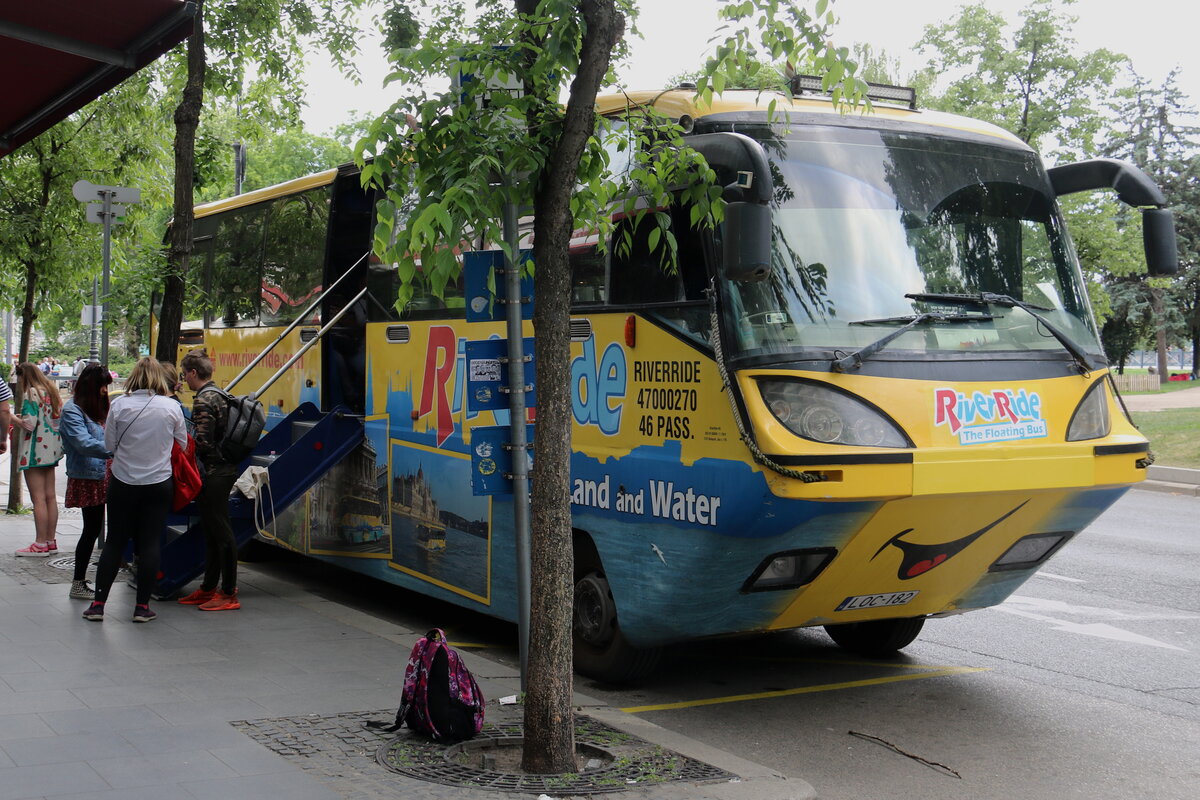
(988, 298)
(855, 359)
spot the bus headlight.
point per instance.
(1090, 420)
(824, 414)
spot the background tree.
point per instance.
(461, 163)
(1151, 134)
(239, 50)
(1030, 80)
(47, 249)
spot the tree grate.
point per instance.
(633, 762)
(344, 753)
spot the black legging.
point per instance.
(93, 523)
(138, 513)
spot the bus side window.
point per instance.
(294, 256)
(588, 266)
(233, 284)
(638, 275)
(425, 304)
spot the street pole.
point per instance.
(94, 355)
(107, 221)
(520, 445)
(106, 213)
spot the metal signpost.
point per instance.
(107, 212)
(495, 368)
(515, 305)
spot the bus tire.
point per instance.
(601, 651)
(880, 638)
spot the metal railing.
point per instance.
(299, 320)
(310, 344)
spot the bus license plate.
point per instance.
(876, 600)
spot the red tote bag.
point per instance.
(187, 476)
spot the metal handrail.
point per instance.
(299, 320)
(308, 345)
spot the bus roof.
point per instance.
(268, 193)
(677, 103)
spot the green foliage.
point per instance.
(48, 252)
(1030, 80)
(448, 161)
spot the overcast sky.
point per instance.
(1157, 35)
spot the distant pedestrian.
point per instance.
(77, 370)
(83, 420)
(141, 426)
(38, 449)
(210, 410)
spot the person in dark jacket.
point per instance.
(210, 411)
(82, 429)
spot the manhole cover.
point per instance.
(618, 760)
(62, 562)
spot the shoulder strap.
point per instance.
(117, 443)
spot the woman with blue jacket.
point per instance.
(82, 429)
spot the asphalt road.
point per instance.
(1084, 684)
(1089, 684)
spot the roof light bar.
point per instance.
(884, 92)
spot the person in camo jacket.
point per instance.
(210, 411)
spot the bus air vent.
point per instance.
(397, 333)
(307, 334)
(581, 330)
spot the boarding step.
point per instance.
(299, 428)
(173, 532)
(264, 460)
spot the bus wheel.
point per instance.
(881, 638)
(601, 650)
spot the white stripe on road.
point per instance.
(1058, 577)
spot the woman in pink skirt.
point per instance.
(82, 429)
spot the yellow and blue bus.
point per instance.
(899, 412)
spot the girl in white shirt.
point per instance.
(142, 425)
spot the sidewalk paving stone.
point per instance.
(118, 710)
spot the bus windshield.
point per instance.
(862, 218)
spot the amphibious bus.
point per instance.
(873, 396)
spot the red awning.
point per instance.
(57, 56)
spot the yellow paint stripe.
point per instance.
(826, 687)
(848, 663)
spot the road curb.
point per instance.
(1171, 480)
(1169, 487)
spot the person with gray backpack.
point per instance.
(210, 416)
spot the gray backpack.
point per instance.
(244, 425)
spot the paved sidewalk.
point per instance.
(1184, 398)
(123, 710)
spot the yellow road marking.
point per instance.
(826, 687)
(848, 662)
(467, 644)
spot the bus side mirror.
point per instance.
(1158, 238)
(742, 167)
(746, 244)
(1134, 188)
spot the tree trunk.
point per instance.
(187, 119)
(1160, 336)
(549, 721)
(37, 245)
(1196, 335)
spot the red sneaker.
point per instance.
(36, 550)
(222, 602)
(198, 597)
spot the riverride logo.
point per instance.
(1000, 415)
